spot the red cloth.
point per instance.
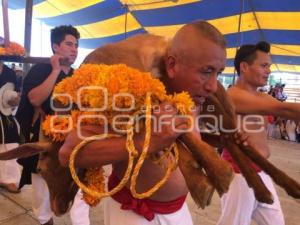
(271, 119)
(226, 155)
(144, 207)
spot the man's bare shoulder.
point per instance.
(237, 92)
(234, 90)
(251, 102)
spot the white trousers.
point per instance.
(114, 215)
(290, 128)
(239, 205)
(10, 171)
(79, 211)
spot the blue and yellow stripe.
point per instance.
(105, 21)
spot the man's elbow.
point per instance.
(33, 100)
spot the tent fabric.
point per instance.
(106, 21)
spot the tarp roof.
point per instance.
(105, 21)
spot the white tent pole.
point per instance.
(240, 34)
(28, 23)
(126, 18)
(5, 21)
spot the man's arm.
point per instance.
(41, 92)
(262, 104)
(96, 153)
(112, 150)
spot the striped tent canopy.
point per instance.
(241, 21)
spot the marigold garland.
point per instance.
(94, 183)
(12, 48)
(107, 82)
(2, 51)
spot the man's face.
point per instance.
(257, 74)
(68, 48)
(197, 71)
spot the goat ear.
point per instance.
(26, 150)
(152, 56)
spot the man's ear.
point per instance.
(55, 47)
(243, 67)
(170, 66)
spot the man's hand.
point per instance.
(167, 125)
(57, 62)
(74, 138)
(241, 138)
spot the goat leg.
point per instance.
(261, 193)
(27, 150)
(198, 183)
(290, 185)
(218, 171)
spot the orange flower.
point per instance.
(2, 51)
(94, 179)
(111, 89)
(183, 102)
(14, 48)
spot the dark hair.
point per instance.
(58, 34)
(247, 53)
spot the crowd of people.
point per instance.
(278, 92)
(278, 127)
(195, 58)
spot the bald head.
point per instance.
(196, 56)
(190, 35)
